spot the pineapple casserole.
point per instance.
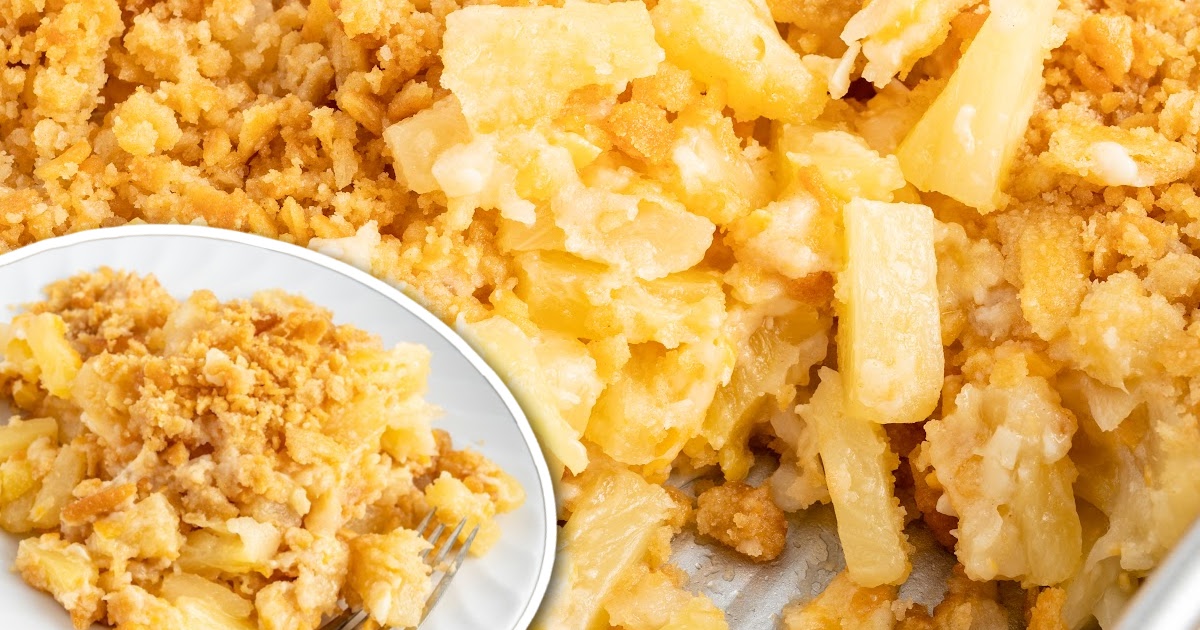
(244, 464)
(938, 257)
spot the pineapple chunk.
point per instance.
(510, 351)
(70, 466)
(625, 229)
(510, 65)
(177, 586)
(844, 604)
(16, 479)
(654, 600)
(843, 162)
(388, 576)
(246, 546)
(1001, 457)
(207, 614)
(147, 529)
(858, 469)
(735, 44)
(889, 327)
(66, 571)
(454, 502)
(965, 142)
(710, 171)
(18, 434)
(779, 347)
(417, 141)
(894, 34)
(657, 402)
(794, 236)
(615, 520)
(57, 361)
(586, 300)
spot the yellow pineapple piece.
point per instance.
(147, 529)
(615, 521)
(795, 236)
(244, 546)
(711, 172)
(207, 614)
(657, 401)
(57, 361)
(655, 600)
(510, 65)
(1001, 457)
(843, 163)
(735, 45)
(858, 469)
(388, 576)
(620, 221)
(889, 324)
(454, 502)
(782, 344)
(510, 352)
(894, 34)
(16, 478)
(417, 141)
(964, 143)
(844, 604)
(18, 434)
(66, 571)
(177, 586)
(585, 299)
(70, 466)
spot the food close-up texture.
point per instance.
(934, 257)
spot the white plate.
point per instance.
(499, 591)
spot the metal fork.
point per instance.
(442, 574)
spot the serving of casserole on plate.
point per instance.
(930, 262)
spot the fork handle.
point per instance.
(1168, 600)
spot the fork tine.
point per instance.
(433, 540)
(450, 571)
(425, 521)
(344, 621)
(445, 551)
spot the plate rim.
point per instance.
(545, 482)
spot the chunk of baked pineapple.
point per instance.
(894, 34)
(454, 501)
(658, 401)
(1001, 457)
(18, 434)
(655, 600)
(37, 345)
(858, 470)
(889, 325)
(243, 546)
(388, 576)
(417, 141)
(964, 143)
(66, 571)
(587, 300)
(844, 163)
(711, 172)
(70, 466)
(615, 520)
(147, 529)
(844, 604)
(1122, 331)
(510, 351)
(510, 65)
(619, 220)
(735, 45)
(780, 347)
(177, 586)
